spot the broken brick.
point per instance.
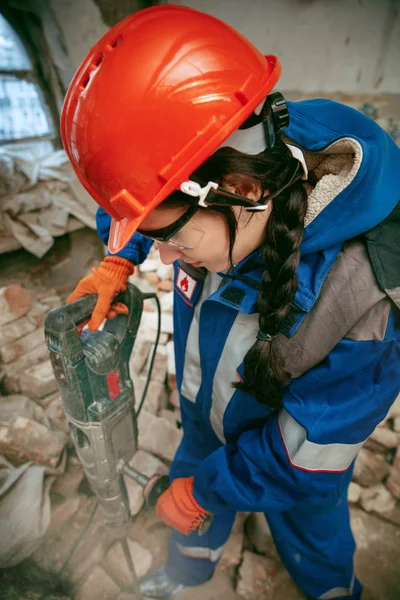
(98, 586)
(15, 301)
(157, 436)
(38, 381)
(24, 344)
(257, 577)
(116, 566)
(24, 440)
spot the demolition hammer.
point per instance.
(92, 372)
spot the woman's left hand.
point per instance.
(178, 508)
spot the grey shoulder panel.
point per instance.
(351, 305)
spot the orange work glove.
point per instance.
(178, 508)
(108, 280)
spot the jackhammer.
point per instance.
(92, 372)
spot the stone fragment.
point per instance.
(148, 465)
(38, 381)
(173, 416)
(56, 547)
(67, 483)
(61, 510)
(25, 440)
(385, 437)
(15, 301)
(354, 492)
(98, 586)
(149, 320)
(393, 481)
(149, 265)
(394, 410)
(257, 577)
(259, 536)
(370, 468)
(159, 369)
(19, 347)
(152, 277)
(165, 286)
(167, 302)
(13, 371)
(165, 271)
(156, 395)
(174, 398)
(56, 414)
(157, 436)
(116, 566)
(16, 329)
(377, 499)
(171, 382)
(140, 354)
(17, 405)
(232, 554)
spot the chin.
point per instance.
(216, 267)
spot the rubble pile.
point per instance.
(33, 428)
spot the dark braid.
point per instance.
(277, 171)
(264, 371)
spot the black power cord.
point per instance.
(147, 296)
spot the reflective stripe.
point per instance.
(336, 593)
(200, 552)
(311, 456)
(191, 380)
(339, 592)
(241, 337)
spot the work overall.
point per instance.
(294, 466)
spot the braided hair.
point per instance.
(264, 372)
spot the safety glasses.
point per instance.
(175, 235)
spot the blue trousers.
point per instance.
(313, 539)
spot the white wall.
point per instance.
(324, 45)
(350, 46)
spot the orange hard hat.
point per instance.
(152, 100)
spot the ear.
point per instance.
(242, 185)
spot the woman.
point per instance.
(279, 221)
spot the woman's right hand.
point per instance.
(106, 281)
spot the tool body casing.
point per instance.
(92, 372)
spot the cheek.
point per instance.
(215, 241)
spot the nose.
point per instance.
(168, 254)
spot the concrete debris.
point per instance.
(15, 301)
(393, 481)
(24, 440)
(20, 346)
(354, 493)
(56, 415)
(233, 549)
(257, 577)
(38, 381)
(115, 563)
(67, 484)
(259, 536)
(17, 404)
(370, 468)
(157, 436)
(98, 586)
(377, 499)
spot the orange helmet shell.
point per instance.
(152, 100)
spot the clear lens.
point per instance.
(187, 238)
